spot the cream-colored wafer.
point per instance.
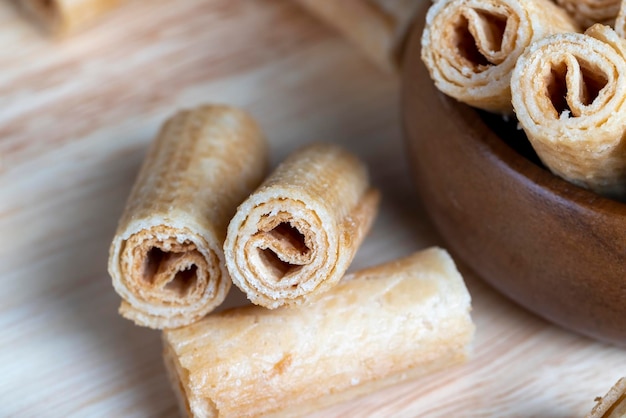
(569, 94)
(296, 235)
(588, 12)
(375, 328)
(65, 16)
(378, 27)
(166, 258)
(470, 47)
(613, 404)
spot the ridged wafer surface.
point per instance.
(377, 327)
(296, 235)
(470, 47)
(166, 258)
(569, 94)
(613, 404)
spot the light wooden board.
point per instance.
(75, 119)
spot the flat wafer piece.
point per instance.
(64, 16)
(613, 404)
(588, 12)
(378, 27)
(569, 94)
(470, 47)
(166, 258)
(297, 234)
(377, 327)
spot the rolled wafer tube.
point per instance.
(378, 27)
(296, 235)
(166, 258)
(613, 404)
(377, 327)
(569, 94)
(65, 16)
(470, 47)
(588, 12)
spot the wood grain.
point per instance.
(75, 120)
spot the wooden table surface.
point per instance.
(76, 117)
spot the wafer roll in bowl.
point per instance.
(296, 235)
(377, 327)
(470, 47)
(569, 94)
(166, 258)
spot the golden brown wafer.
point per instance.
(65, 16)
(569, 94)
(377, 327)
(470, 47)
(296, 235)
(166, 258)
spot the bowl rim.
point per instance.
(518, 165)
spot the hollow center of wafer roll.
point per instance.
(572, 85)
(481, 38)
(283, 248)
(174, 272)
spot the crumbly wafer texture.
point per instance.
(65, 16)
(569, 95)
(588, 12)
(377, 327)
(166, 259)
(613, 404)
(296, 235)
(378, 27)
(470, 47)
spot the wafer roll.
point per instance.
(378, 27)
(569, 94)
(297, 234)
(470, 47)
(166, 258)
(64, 16)
(377, 327)
(588, 12)
(613, 404)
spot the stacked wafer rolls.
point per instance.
(470, 47)
(296, 235)
(64, 16)
(569, 95)
(377, 327)
(166, 259)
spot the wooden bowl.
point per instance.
(554, 248)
